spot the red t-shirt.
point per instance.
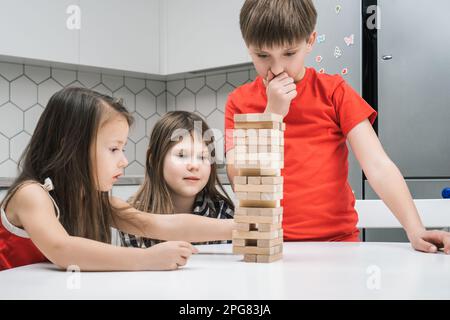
(318, 200)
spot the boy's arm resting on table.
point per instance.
(38, 218)
(389, 184)
(185, 227)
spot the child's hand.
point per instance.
(430, 241)
(280, 91)
(167, 255)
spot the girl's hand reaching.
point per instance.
(167, 255)
(430, 241)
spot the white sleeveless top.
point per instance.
(47, 186)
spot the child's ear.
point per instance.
(310, 42)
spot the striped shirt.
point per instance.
(203, 206)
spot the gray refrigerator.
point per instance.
(410, 65)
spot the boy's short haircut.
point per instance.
(269, 23)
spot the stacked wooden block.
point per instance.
(258, 154)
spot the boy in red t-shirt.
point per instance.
(321, 113)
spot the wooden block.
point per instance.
(259, 172)
(257, 219)
(240, 211)
(254, 195)
(240, 141)
(252, 149)
(239, 133)
(250, 258)
(252, 140)
(238, 242)
(240, 149)
(257, 125)
(256, 250)
(252, 132)
(254, 180)
(242, 226)
(274, 188)
(258, 117)
(269, 133)
(271, 149)
(271, 180)
(252, 157)
(239, 164)
(264, 212)
(240, 180)
(263, 243)
(259, 165)
(255, 235)
(241, 195)
(266, 227)
(266, 156)
(273, 165)
(271, 196)
(264, 141)
(269, 258)
(270, 172)
(259, 203)
(240, 157)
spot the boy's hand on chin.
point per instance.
(430, 241)
(280, 91)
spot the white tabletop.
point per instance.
(307, 271)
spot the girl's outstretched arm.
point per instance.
(36, 214)
(185, 227)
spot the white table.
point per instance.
(307, 271)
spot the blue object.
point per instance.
(446, 193)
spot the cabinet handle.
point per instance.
(387, 57)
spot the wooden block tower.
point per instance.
(259, 156)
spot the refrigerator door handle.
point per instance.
(387, 57)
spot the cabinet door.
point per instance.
(201, 34)
(121, 35)
(413, 86)
(38, 30)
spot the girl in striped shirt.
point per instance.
(180, 174)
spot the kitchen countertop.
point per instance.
(309, 270)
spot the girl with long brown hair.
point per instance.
(180, 173)
(77, 150)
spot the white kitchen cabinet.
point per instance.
(38, 30)
(201, 34)
(123, 35)
(159, 37)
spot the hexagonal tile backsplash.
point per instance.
(26, 89)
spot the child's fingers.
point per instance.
(185, 252)
(424, 246)
(290, 88)
(188, 246)
(270, 76)
(287, 81)
(181, 261)
(447, 244)
(291, 95)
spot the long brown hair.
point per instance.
(60, 149)
(153, 196)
